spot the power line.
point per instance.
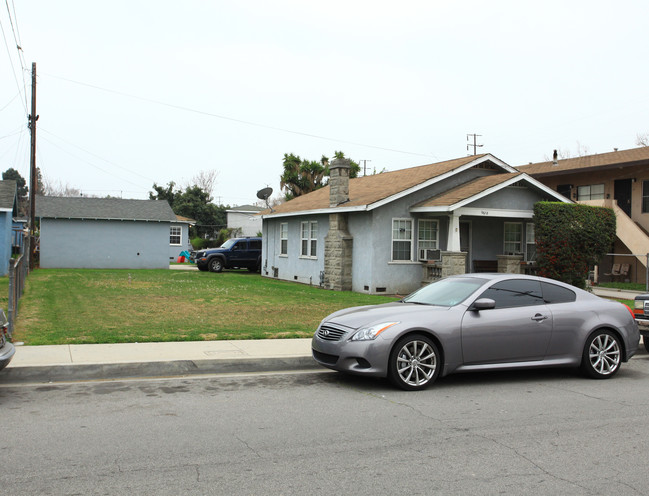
(13, 69)
(232, 119)
(14, 29)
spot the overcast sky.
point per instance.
(135, 92)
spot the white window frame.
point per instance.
(530, 241)
(424, 243)
(309, 239)
(518, 242)
(283, 239)
(179, 235)
(585, 192)
(400, 225)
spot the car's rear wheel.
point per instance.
(215, 265)
(415, 363)
(602, 355)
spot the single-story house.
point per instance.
(394, 231)
(8, 210)
(246, 219)
(617, 180)
(179, 237)
(104, 233)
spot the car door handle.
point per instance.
(538, 317)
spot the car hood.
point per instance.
(357, 317)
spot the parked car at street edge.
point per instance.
(479, 322)
(641, 311)
(7, 349)
(235, 253)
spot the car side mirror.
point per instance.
(483, 304)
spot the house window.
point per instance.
(283, 238)
(592, 192)
(175, 234)
(427, 237)
(530, 242)
(309, 239)
(513, 237)
(401, 239)
(645, 197)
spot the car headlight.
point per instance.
(371, 332)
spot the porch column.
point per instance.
(453, 243)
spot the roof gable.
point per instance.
(104, 208)
(480, 187)
(368, 192)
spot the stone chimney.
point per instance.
(339, 181)
(339, 242)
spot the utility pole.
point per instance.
(475, 144)
(33, 117)
(365, 166)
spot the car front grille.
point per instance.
(330, 333)
(325, 358)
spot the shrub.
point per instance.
(570, 238)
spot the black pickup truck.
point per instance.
(235, 253)
(641, 311)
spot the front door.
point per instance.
(622, 193)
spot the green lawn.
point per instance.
(117, 306)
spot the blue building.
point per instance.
(8, 210)
(104, 233)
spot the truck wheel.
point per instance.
(215, 265)
(646, 342)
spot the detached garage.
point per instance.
(103, 233)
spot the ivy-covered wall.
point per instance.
(570, 238)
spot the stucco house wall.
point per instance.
(103, 244)
(246, 218)
(104, 233)
(176, 248)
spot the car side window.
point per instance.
(557, 294)
(239, 246)
(255, 244)
(515, 293)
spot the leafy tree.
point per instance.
(304, 176)
(193, 202)
(570, 238)
(22, 189)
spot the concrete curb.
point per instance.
(111, 371)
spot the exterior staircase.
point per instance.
(627, 231)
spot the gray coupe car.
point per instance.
(479, 322)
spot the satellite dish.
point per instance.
(264, 194)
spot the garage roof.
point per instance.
(52, 207)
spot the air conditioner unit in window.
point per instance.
(430, 255)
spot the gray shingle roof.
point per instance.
(53, 207)
(7, 194)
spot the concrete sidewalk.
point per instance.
(64, 363)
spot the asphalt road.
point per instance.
(539, 432)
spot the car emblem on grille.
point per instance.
(325, 332)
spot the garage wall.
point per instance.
(104, 244)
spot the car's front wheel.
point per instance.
(602, 355)
(215, 265)
(415, 363)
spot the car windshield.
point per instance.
(446, 292)
(228, 243)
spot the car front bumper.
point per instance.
(354, 357)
